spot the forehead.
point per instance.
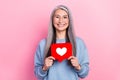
(60, 12)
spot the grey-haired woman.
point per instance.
(61, 31)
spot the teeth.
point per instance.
(60, 25)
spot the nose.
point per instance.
(60, 20)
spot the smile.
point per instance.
(61, 25)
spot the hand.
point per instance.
(74, 62)
(48, 62)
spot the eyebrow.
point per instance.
(59, 15)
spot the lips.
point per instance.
(61, 25)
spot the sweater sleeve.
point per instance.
(38, 62)
(83, 59)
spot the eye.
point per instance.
(65, 17)
(56, 16)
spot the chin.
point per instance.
(61, 29)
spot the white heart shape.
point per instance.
(62, 51)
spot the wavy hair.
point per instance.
(51, 37)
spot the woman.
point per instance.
(61, 31)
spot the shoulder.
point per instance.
(80, 42)
(42, 42)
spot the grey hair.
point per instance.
(51, 31)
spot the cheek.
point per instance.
(55, 20)
(67, 21)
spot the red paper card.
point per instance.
(61, 51)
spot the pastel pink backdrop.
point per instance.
(23, 23)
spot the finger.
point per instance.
(50, 60)
(72, 63)
(71, 57)
(51, 57)
(72, 60)
(49, 64)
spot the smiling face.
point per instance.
(60, 20)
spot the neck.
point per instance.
(60, 34)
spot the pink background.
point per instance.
(23, 23)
